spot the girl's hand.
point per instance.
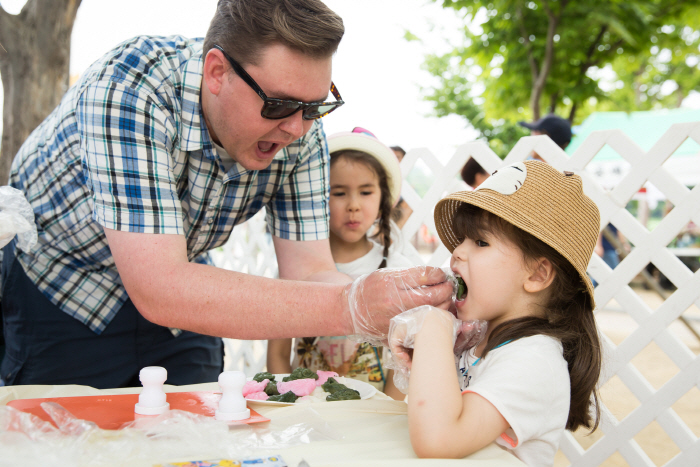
(402, 333)
(469, 335)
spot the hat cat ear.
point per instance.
(506, 180)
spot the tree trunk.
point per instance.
(34, 69)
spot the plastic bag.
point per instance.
(29, 441)
(16, 218)
(374, 298)
(402, 334)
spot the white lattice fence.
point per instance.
(250, 251)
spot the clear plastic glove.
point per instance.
(16, 218)
(373, 299)
(402, 335)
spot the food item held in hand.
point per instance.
(289, 397)
(253, 386)
(271, 389)
(301, 373)
(461, 287)
(300, 387)
(263, 375)
(346, 394)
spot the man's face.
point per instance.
(232, 108)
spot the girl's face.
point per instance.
(355, 200)
(494, 272)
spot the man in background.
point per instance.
(557, 128)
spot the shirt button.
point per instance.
(210, 221)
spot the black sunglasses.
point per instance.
(275, 109)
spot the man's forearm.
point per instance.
(223, 303)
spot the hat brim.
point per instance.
(529, 126)
(374, 147)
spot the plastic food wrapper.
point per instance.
(402, 333)
(174, 436)
(374, 298)
(16, 218)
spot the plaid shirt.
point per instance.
(128, 149)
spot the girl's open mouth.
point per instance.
(461, 288)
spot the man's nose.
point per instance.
(295, 125)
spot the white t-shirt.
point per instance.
(401, 255)
(527, 380)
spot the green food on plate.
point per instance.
(301, 373)
(346, 394)
(259, 377)
(271, 389)
(288, 396)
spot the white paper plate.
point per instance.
(366, 390)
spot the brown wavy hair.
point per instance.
(244, 27)
(568, 312)
(383, 235)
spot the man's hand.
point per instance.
(373, 299)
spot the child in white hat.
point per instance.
(521, 243)
(365, 183)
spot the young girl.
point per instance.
(365, 182)
(521, 243)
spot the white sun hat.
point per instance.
(362, 140)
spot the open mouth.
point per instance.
(266, 146)
(461, 288)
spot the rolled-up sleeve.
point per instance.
(126, 144)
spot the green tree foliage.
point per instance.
(521, 59)
(662, 75)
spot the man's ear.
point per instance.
(214, 71)
(541, 276)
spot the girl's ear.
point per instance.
(541, 276)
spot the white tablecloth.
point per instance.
(374, 431)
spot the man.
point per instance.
(161, 148)
(557, 128)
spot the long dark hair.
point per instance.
(383, 234)
(568, 313)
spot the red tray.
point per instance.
(112, 412)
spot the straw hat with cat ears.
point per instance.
(537, 198)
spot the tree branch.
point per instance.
(539, 82)
(534, 69)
